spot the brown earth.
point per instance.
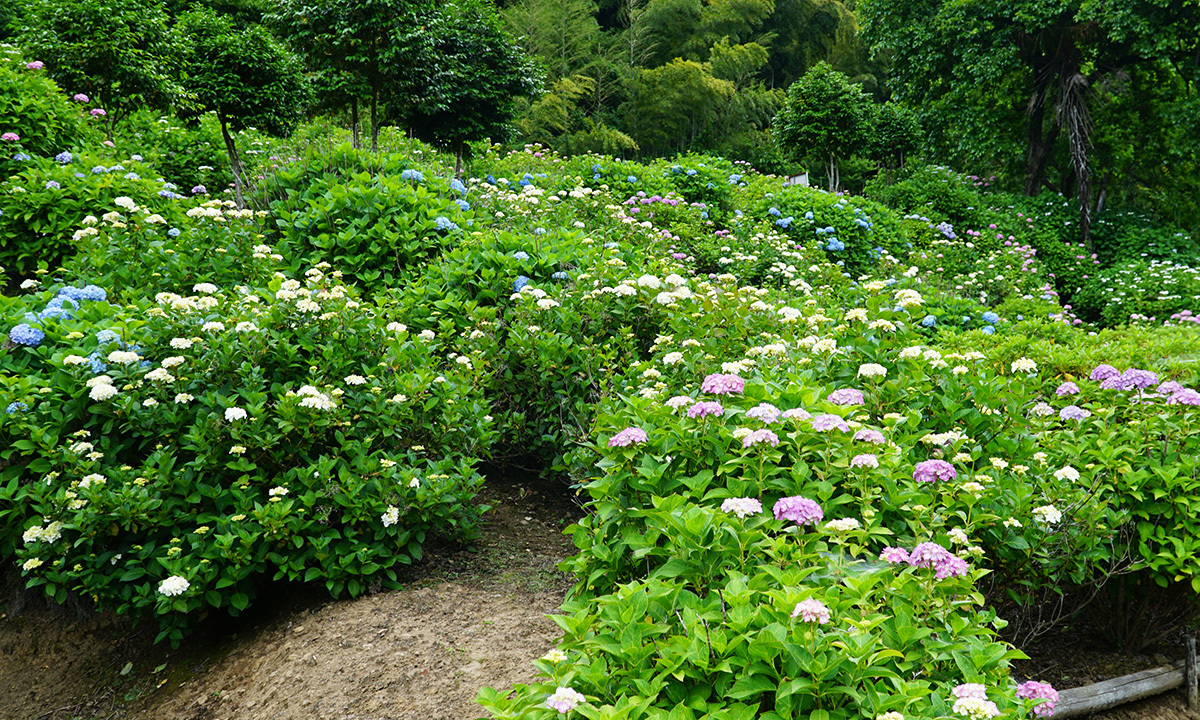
(465, 620)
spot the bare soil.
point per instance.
(467, 618)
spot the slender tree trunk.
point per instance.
(458, 160)
(354, 141)
(1073, 113)
(374, 120)
(235, 162)
(1040, 143)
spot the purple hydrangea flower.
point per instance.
(722, 384)
(1034, 690)
(797, 414)
(934, 556)
(865, 460)
(1074, 412)
(799, 510)
(1067, 388)
(705, 408)
(934, 470)
(766, 412)
(1104, 372)
(894, 555)
(1112, 383)
(759, 437)
(1186, 396)
(199, 190)
(845, 396)
(870, 435)
(1170, 387)
(826, 422)
(628, 436)
(1140, 379)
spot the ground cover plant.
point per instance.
(821, 440)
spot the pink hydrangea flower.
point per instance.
(845, 396)
(1067, 388)
(564, 700)
(799, 510)
(10, 137)
(705, 408)
(81, 98)
(722, 384)
(1034, 690)
(35, 65)
(796, 414)
(930, 555)
(864, 460)
(894, 555)
(827, 422)
(934, 470)
(812, 610)
(870, 435)
(760, 437)
(98, 112)
(970, 690)
(628, 436)
(766, 412)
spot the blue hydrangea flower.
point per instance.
(105, 337)
(96, 363)
(929, 321)
(79, 175)
(16, 407)
(691, 172)
(808, 215)
(463, 205)
(64, 157)
(523, 182)
(169, 195)
(20, 157)
(735, 178)
(52, 185)
(835, 245)
(596, 176)
(704, 214)
(520, 283)
(988, 330)
(631, 179)
(24, 334)
(786, 222)
(737, 212)
(58, 300)
(991, 318)
(611, 245)
(457, 186)
(173, 232)
(54, 312)
(539, 231)
(596, 168)
(414, 175)
(132, 176)
(93, 292)
(521, 255)
(199, 190)
(443, 223)
(491, 180)
(120, 168)
(560, 275)
(946, 229)
(774, 212)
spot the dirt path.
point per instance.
(466, 620)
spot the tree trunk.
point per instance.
(458, 158)
(374, 121)
(354, 141)
(1073, 113)
(1040, 143)
(235, 161)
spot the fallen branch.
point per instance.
(1118, 691)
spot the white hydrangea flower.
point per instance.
(391, 517)
(173, 586)
(232, 414)
(102, 391)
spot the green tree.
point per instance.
(894, 135)
(456, 76)
(824, 117)
(245, 76)
(118, 52)
(990, 66)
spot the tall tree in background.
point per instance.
(244, 75)
(120, 52)
(456, 75)
(981, 64)
(825, 117)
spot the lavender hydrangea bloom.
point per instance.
(1067, 388)
(845, 396)
(870, 435)
(1140, 379)
(894, 555)
(628, 436)
(1104, 372)
(796, 414)
(799, 510)
(1170, 387)
(1186, 396)
(721, 384)
(1112, 383)
(705, 408)
(934, 470)
(1034, 690)
(760, 437)
(933, 556)
(827, 422)
(765, 412)
(1074, 412)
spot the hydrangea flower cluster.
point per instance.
(742, 506)
(723, 384)
(799, 510)
(934, 470)
(933, 556)
(628, 436)
(812, 610)
(1034, 690)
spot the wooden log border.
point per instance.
(1105, 695)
